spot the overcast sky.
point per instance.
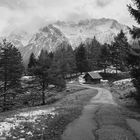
(31, 14)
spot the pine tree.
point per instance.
(81, 59)
(11, 67)
(60, 59)
(65, 58)
(135, 11)
(51, 56)
(41, 71)
(119, 51)
(105, 56)
(93, 50)
(70, 60)
(32, 63)
(136, 15)
(134, 55)
(48, 71)
(56, 77)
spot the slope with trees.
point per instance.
(43, 72)
(11, 69)
(52, 68)
(134, 55)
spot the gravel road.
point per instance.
(101, 119)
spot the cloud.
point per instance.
(14, 4)
(103, 3)
(32, 14)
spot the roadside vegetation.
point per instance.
(133, 59)
(45, 122)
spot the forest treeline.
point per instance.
(53, 68)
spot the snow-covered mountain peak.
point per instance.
(52, 35)
(104, 29)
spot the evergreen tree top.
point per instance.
(135, 12)
(121, 37)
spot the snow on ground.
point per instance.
(108, 70)
(26, 77)
(99, 71)
(81, 79)
(124, 81)
(71, 82)
(30, 116)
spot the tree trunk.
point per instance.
(4, 96)
(43, 93)
(43, 97)
(104, 70)
(5, 88)
(105, 66)
(116, 70)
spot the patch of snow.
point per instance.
(30, 116)
(109, 70)
(104, 81)
(26, 77)
(81, 79)
(29, 133)
(99, 71)
(71, 82)
(36, 113)
(124, 81)
(122, 84)
(112, 71)
(51, 86)
(22, 139)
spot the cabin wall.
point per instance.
(90, 80)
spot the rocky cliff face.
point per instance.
(47, 38)
(103, 29)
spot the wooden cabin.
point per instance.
(93, 78)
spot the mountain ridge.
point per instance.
(52, 35)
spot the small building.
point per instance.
(92, 77)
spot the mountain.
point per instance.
(47, 38)
(52, 35)
(19, 38)
(103, 29)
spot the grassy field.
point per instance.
(124, 96)
(45, 122)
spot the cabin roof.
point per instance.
(94, 75)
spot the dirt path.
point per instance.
(101, 120)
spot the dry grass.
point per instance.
(67, 109)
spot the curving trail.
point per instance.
(100, 120)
